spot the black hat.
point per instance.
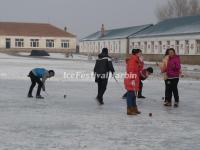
(135, 51)
(52, 71)
(150, 69)
(105, 51)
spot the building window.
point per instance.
(65, 43)
(139, 45)
(116, 48)
(198, 46)
(145, 47)
(119, 46)
(113, 46)
(152, 46)
(19, 42)
(108, 46)
(49, 43)
(187, 47)
(160, 46)
(34, 42)
(164, 47)
(133, 44)
(168, 44)
(177, 46)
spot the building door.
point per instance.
(8, 43)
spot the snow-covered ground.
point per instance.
(77, 122)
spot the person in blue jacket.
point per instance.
(39, 76)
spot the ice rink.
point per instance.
(78, 122)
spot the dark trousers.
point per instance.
(172, 89)
(34, 80)
(131, 99)
(102, 85)
(140, 91)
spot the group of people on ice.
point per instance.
(135, 74)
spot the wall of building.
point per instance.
(184, 45)
(185, 59)
(42, 43)
(115, 46)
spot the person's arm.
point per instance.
(110, 66)
(178, 64)
(44, 78)
(95, 68)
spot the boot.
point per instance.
(135, 110)
(30, 96)
(140, 96)
(168, 104)
(176, 104)
(39, 97)
(130, 111)
(100, 101)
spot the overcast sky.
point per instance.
(82, 17)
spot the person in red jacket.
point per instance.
(131, 82)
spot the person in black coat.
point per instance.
(102, 69)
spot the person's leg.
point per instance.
(124, 96)
(40, 84)
(100, 95)
(134, 107)
(103, 87)
(129, 99)
(33, 83)
(165, 91)
(168, 92)
(175, 91)
(131, 103)
(140, 91)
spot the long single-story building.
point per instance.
(30, 36)
(181, 33)
(116, 40)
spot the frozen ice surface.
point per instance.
(77, 122)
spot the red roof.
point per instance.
(32, 29)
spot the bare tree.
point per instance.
(178, 8)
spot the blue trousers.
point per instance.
(131, 99)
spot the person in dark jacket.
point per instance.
(35, 76)
(102, 69)
(143, 75)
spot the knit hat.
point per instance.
(105, 51)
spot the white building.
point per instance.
(116, 40)
(29, 36)
(182, 33)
